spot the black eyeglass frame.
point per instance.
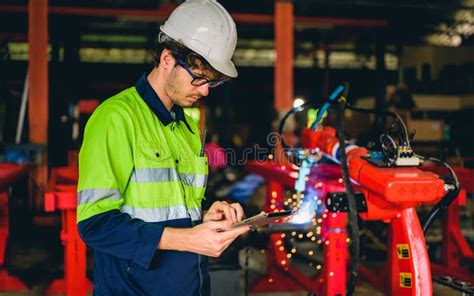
(200, 80)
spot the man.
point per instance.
(142, 172)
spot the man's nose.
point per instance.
(203, 89)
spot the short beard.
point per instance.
(171, 87)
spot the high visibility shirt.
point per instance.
(140, 170)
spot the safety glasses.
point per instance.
(199, 80)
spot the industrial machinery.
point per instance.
(63, 196)
(386, 185)
(456, 254)
(9, 174)
(330, 231)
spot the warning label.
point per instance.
(403, 251)
(405, 280)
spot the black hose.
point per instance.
(446, 201)
(354, 235)
(355, 242)
(436, 211)
(446, 165)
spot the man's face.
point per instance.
(179, 88)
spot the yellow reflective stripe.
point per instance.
(149, 175)
(162, 214)
(94, 195)
(87, 210)
(155, 175)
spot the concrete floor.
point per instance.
(257, 263)
(36, 257)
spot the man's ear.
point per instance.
(167, 59)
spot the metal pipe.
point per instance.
(163, 12)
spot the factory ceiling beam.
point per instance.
(163, 12)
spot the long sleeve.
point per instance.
(117, 234)
(105, 166)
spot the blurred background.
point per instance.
(60, 58)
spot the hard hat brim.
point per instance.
(227, 69)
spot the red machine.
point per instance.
(281, 275)
(64, 197)
(457, 255)
(9, 174)
(391, 195)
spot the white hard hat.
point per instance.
(205, 27)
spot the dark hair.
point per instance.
(189, 57)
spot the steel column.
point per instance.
(38, 67)
(38, 94)
(284, 21)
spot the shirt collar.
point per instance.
(150, 97)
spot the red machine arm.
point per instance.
(387, 190)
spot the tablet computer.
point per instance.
(262, 219)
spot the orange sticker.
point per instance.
(403, 251)
(405, 280)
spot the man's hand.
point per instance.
(209, 238)
(221, 210)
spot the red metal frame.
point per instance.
(456, 253)
(64, 198)
(281, 275)
(283, 27)
(38, 71)
(9, 174)
(88, 106)
(335, 253)
(407, 269)
(164, 11)
(38, 95)
(391, 196)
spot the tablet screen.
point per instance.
(262, 219)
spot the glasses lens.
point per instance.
(199, 81)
